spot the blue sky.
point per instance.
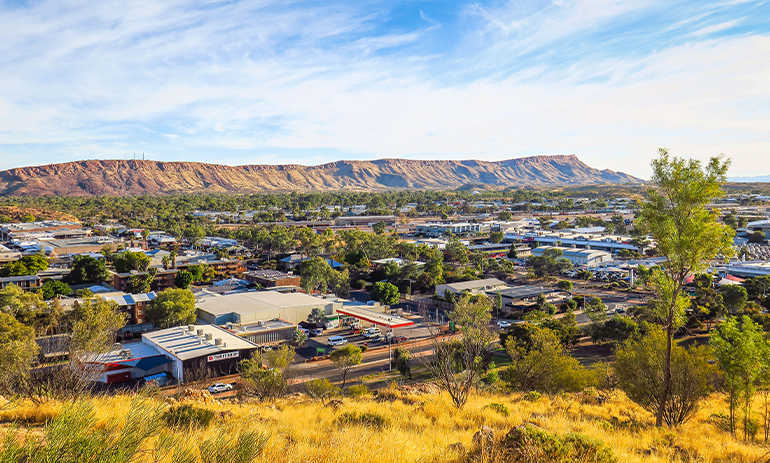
(275, 82)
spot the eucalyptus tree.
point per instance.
(687, 234)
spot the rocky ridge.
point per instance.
(136, 177)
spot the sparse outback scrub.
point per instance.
(413, 428)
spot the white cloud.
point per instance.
(173, 78)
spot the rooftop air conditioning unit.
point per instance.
(190, 328)
(218, 341)
(199, 332)
(209, 336)
(117, 346)
(126, 354)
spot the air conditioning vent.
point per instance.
(209, 336)
(199, 332)
(218, 341)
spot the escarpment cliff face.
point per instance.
(132, 177)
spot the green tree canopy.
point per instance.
(639, 368)
(386, 293)
(183, 279)
(735, 297)
(550, 263)
(53, 288)
(95, 324)
(172, 307)
(87, 269)
(127, 261)
(687, 233)
(345, 358)
(18, 347)
(27, 265)
(27, 307)
(742, 352)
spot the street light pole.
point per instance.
(390, 344)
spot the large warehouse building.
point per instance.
(188, 353)
(199, 351)
(256, 306)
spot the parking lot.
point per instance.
(413, 332)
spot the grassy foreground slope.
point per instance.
(405, 428)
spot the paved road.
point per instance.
(374, 362)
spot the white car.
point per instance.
(372, 333)
(220, 387)
(336, 341)
(316, 332)
(503, 324)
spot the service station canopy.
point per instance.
(381, 319)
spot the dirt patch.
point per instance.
(588, 353)
(15, 214)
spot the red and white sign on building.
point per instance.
(226, 355)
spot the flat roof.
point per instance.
(473, 284)
(270, 325)
(256, 301)
(124, 299)
(186, 345)
(267, 274)
(20, 278)
(362, 313)
(138, 350)
(571, 251)
(521, 292)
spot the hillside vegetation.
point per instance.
(394, 427)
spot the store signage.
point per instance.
(226, 355)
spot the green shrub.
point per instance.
(499, 408)
(359, 391)
(322, 389)
(369, 419)
(188, 416)
(531, 396)
(534, 445)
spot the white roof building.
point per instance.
(254, 306)
(577, 256)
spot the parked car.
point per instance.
(336, 341)
(503, 324)
(397, 339)
(372, 332)
(304, 330)
(316, 332)
(220, 387)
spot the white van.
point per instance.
(337, 341)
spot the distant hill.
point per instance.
(132, 177)
(757, 179)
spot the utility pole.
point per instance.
(390, 344)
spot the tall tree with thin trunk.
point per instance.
(687, 233)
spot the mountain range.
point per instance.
(137, 177)
(756, 179)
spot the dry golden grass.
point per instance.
(423, 428)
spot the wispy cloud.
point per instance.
(274, 82)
